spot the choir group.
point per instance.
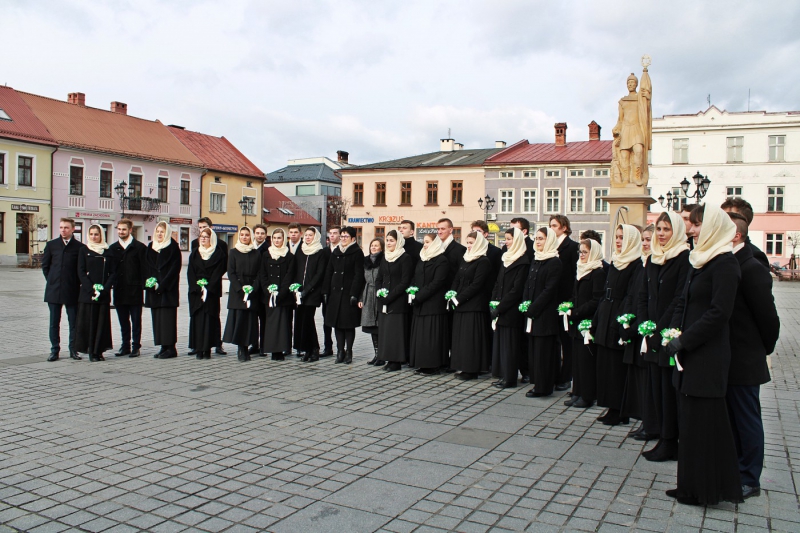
(674, 332)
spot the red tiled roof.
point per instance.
(23, 126)
(88, 128)
(524, 152)
(216, 153)
(273, 199)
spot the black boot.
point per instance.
(348, 358)
(339, 357)
(613, 418)
(665, 450)
(241, 353)
(314, 357)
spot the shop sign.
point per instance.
(187, 221)
(426, 231)
(427, 224)
(390, 219)
(493, 228)
(225, 228)
(92, 215)
(25, 207)
(369, 220)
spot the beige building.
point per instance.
(423, 188)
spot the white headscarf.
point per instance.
(277, 253)
(244, 248)
(315, 246)
(399, 249)
(594, 261)
(98, 247)
(675, 245)
(715, 238)
(434, 248)
(158, 246)
(517, 249)
(550, 249)
(479, 248)
(631, 247)
(206, 253)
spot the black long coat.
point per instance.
(568, 253)
(94, 268)
(309, 272)
(431, 278)
(633, 349)
(606, 329)
(508, 291)
(703, 315)
(129, 286)
(495, 256)
(344, 282)
(243, 270)
(60, 269)
(473, 286)
(277, 272)
(758, 255)
(395, 277)
(586, 296)
(454, 254)
(542, 289)
(212, 270)
(165, 266)
(754, 324)
(658, 296)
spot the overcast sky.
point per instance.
(294, 78)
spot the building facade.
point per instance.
(280, 211)
(754, 155)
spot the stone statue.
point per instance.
(633, 133)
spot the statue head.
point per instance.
(633, 82)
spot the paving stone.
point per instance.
(416, 473)
(323, 517)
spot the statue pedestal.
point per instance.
(636, 202)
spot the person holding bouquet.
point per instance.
(277, 266)
(96, 270)
(244, 263)
(344, 281)
(207, 265)
(392, 301)
(163, 266)
(306, 286)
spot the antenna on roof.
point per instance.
(708, 99)
(748, 100)
(448, 133)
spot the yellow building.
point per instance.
(26, 149)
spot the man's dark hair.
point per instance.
(480, 224)
(126, 222)
(741, 223)
(337, 228)
(409, 222)
(688, 208)
(295, 225)
(696, 214)
(350, 231)
(591, 234)
(740, 206)
(447, 220)
(260, 226)
(205, 220)
(524, 224)
(563, 221)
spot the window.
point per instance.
(105, 184)
(552, 200)
(252, 209)
(135, 185)
(163, 189)
(217, 202)
(576, 173)
(358, 194)
(185, 192)
(735, 149)
(380, 194)
(733, 192)
(432, 193)
(507, 174)
(774, 243)
(529, 174)
(552, 173)
(305, 190)
(2, 227)
(680, 151)
(650, 194)
(76, 181)
(457, 234)
(184, 239)
(405, 193)
(330, 190)
(576, 200)
(506, 200)
(775, 199)
(380, 232)
(2, 168)
(456, 193)
(359, 232)
(600, 203)
(678, 199)
(528, 200)
(600, 172)
(25, 172)
(776, 146)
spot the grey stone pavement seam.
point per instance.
(187, 445)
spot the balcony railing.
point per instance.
(139, 203)
(105, 204)
(186, 210)
(77, 201)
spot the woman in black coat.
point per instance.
(344, 282)
(542, 320)
(430, 325)
(368, 302)
(607, 331)
(663, 281)
(277, 266)
(589, 283)
(471, 343)
(708, 466)
(309, 274)
(96, 266)
(394, 276)
(508, 322)
(207, 266)
(244, 265)
(163, 269)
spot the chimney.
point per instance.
(448, 145)
(561, 133)
(458, 146)
(499, 144)
(594, 131)
(119, 107)
(77, 99)
(342, 156)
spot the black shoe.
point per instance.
(561, 387)
(74, 355)
(371, 361)
(53, 357)
(193, 351)
(571, 401)
(499, 381)
(159, 352)
(200, 356)
(392, 367)
(100, 357)
(168, 354)
(644, 436)
(92, 358)
(220, 351)
(748, 491)
(253, 350)
(241, 353)
(327, 353)
(466, 376)
(301, 355)
(380, 363)
(263, 354)
(278, 357)
(635, 430)
(583, 404)
(525, 379)
(207, 354)
(614, 419)
(665, 450)
(339, 358)
(504, 385)
(123, 351)
(348, 357)
(605, 415)
(426, 371)
(688, 500)
(534, 394)
(449, 370)
(135, 353)
(314, 356)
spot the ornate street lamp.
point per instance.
(246, 204)
(120, 190)
(486, 203)
(701, 184)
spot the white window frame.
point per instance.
(596, 196)
(32, 186)
(777, 148)
(680, 151)
(530, 174)
(510, 198)
(556, 198)
(552, 174)
(4, 177)
(506, 174)
(223, 202)
(774, 240)
(252, 212)
(580, 199)
(734, 149)
(776, 196)
(730, 192)
(602, 234)
(577, 173)
(532, 198)
(180, 192)
(600, 173)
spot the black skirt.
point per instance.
(204, 329)
(165, 325)
(611, 374)
(584, 370)
(543, 356)
(507, 350)
(708, 467)
(470, 347)
(430, 341)
(635, 399)
(277, 334)
(305, 329)
(241, 328)
(392, 341)
(93, 328)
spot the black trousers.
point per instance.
(565, 369)
(326, 330)
(55, 326)
(130, 324)
(744, 411)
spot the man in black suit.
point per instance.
(202, 224)
(686, 210)
(568, 254)
(60, 269)
(453, 251)
(129, 288)
(334, 232)
(754, 331)
(494, 253)
(412, 246)
(743, 207)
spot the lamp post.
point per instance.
(701, 184)
(247, 203)
(486, 203)
(120, 190)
